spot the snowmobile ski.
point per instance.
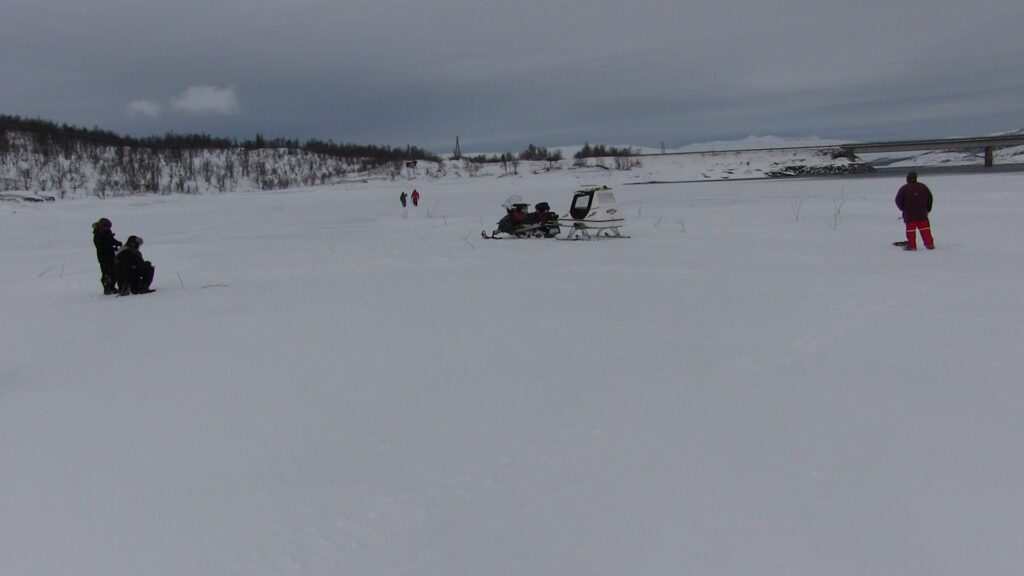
(519, 235)
(592, 237)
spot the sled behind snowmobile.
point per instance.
(593, 213)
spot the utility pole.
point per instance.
(457, 155)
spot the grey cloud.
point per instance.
(206, 100)
(501, 76)
(147, 108)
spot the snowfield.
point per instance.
(755, 383)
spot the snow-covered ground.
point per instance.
(755, 383)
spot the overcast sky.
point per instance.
(505, 74)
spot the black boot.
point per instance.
(109, 284)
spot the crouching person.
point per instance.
(134, 274)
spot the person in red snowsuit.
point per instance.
(415, 197)
(915, 200)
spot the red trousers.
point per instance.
(926, 234)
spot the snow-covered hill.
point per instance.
(30, 167)
(33, 167)
(73, 169)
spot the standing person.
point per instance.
(106, 248)
(415, 197)
(134, 274)
(915, 200)
(401, 198)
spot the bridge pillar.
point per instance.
(988, 157)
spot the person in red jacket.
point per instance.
(415, 197)
(915, 200)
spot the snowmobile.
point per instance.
(519, 222)
(593, 213)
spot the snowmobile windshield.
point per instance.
(511, 202)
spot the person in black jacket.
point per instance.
(106, 248)
(134, 274)
(915, 200)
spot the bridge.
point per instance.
(987, 143)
